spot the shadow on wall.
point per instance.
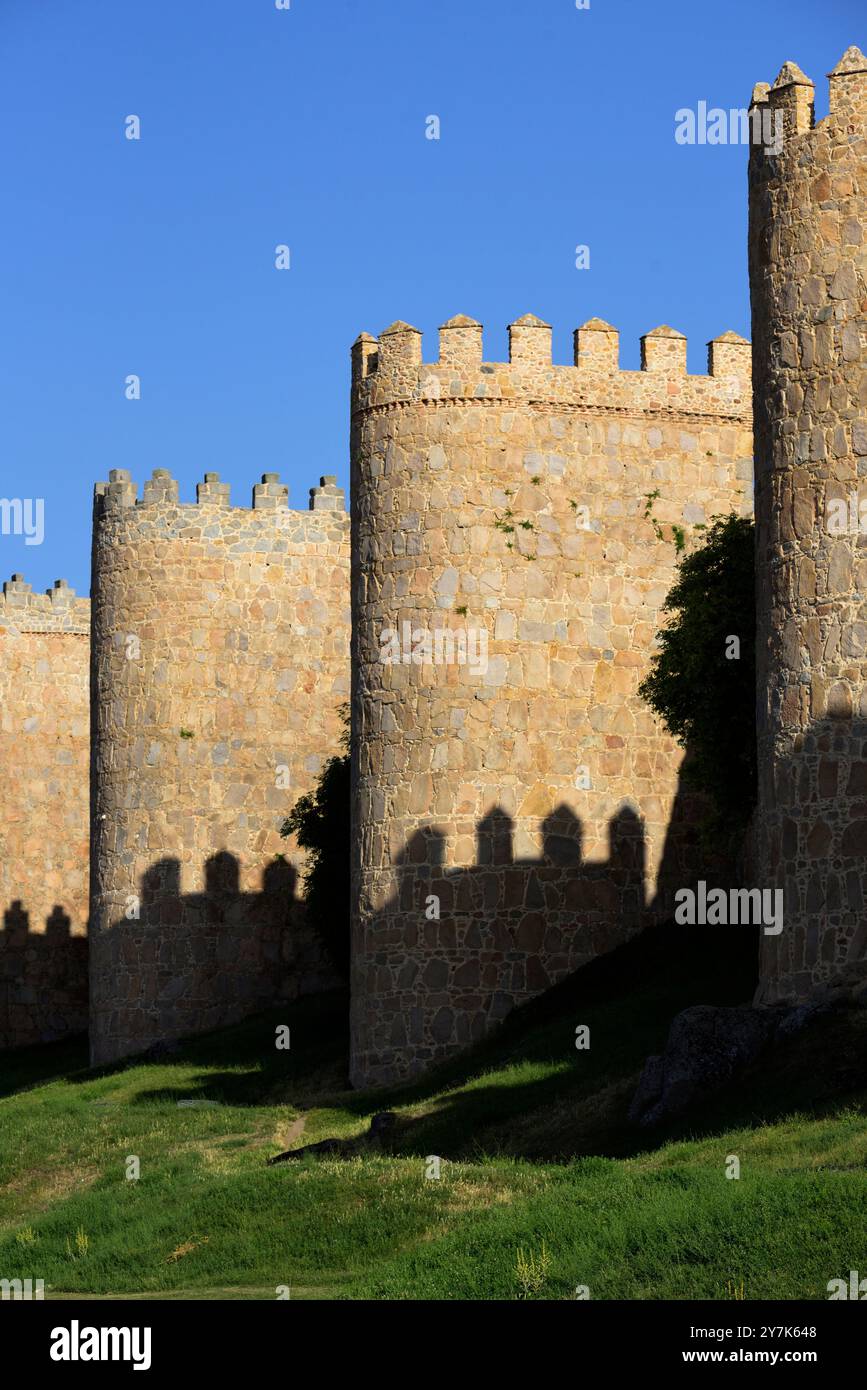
(189, 963)
(43, 979)
(813, 846)
(456, 950)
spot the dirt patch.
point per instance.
(39, 1189)
(294, 1132)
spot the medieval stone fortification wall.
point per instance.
(516, 807)
(808, 277)
(534, 803)
(220, 660)
(44, 760)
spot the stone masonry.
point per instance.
(534, 803)
(220, 660)
(808, 278)
(44, 758)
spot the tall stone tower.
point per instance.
(515, 532)
(220, 660)
(808, 279)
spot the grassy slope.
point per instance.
(533, 1143)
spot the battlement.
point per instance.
(58, 609)
(161, 490)
(792, 96)
(390, 370)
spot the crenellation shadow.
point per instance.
(43, 978)
(454, 950)
(187, 963)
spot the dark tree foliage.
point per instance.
(320, 821)
(706, 699)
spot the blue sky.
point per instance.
(306, 127)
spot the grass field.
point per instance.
(535, 1157)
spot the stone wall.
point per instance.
(44, 760)
(808, 278)
(534, 804)
(220, 662)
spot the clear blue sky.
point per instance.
(307, 127)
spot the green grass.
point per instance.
(534, 1151)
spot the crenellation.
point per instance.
(663, 350)
(17, 593)
(60, 592)
(270, 494)
(461, 343)
(213, 493)
(597, 346)
(58, 609)
(847, 84)
(327, 497)
(365, 356)
(530, 342)
(399, 354)
(161, 487)
(792, 94)
(119, 491)
(729, 355)
(594, 383)
(160, 511)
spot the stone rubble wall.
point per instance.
(44, 768)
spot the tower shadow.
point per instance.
(454, 950)
(811, 844)
(43, 978)
(186, 963)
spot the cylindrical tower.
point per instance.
(220, 660)
(808, 279)
(515, 532)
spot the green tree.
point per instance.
(321, 823)
(702, 678)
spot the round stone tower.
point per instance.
(808, 278)
(515, 532)
(220, 660)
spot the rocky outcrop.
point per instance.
(708, 1047)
